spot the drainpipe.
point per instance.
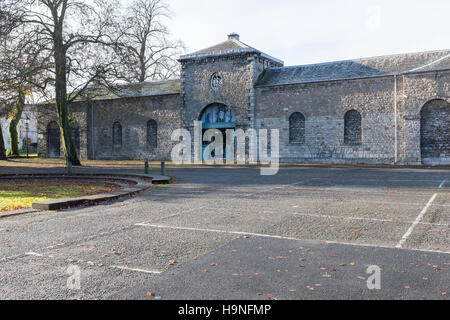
(395, 120)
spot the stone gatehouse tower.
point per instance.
(386, 110)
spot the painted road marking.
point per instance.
(136, 270)
(34, 254)
(284, 238)
(419, 218)
(214, 230)
(416, 222)
(361, 218)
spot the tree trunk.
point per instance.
(70, 151)
(2, 145)
(13, 135)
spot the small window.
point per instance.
(117, 135)
(152, 135)
(352, 128)
(297, 128)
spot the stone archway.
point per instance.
(217, 116)
(53, 140)
(435, 132)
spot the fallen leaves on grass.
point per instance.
(16, 195)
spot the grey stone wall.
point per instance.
(96, 119)
(78, 117)
(417, 90)
(324, 106)
(238, 73)
(133, 114)
(394, 128)
(384, 139)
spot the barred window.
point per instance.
(352, 128)
(297, 128)
(117, 135)
(152, 135)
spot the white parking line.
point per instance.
(419, 218)
(416, 222)
(34, 254)
(215, 231)
(283, 238)
(136, 270)
(362, 219)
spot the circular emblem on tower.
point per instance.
(216, 81)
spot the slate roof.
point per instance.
(231, 46)
(358, 68)
(145, 89)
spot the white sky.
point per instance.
(311, 31)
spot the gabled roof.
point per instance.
(358, 68)
(134, 90)
(232, 46)
(144, 89)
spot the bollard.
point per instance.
(147, 168)
(163, 168)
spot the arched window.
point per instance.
(297, 128)
(152, 135)
(53, 140)
(435, 131)
(352, 128)
(217, 115)
(117, 135)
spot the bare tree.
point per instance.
(147, 51)
(77, 35)
(23, 69)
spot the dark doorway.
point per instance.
(217, 116)
(435, 132)
(53, 140)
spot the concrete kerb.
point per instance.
(140, 183)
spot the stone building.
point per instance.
(383, 110)
(26, 130)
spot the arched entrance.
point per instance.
(435, 132)
(53, 140)
(217, 116)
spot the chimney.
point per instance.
(234, 36)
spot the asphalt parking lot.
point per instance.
(229, 233)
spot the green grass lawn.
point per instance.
(21, 194)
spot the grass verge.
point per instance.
(15, 195)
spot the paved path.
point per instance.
(132, 246)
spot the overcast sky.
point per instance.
(311, 31)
